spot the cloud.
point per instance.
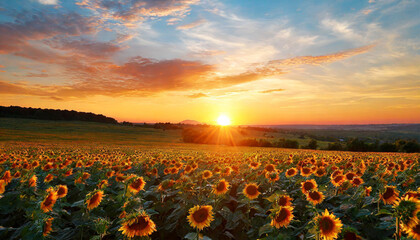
(145, 76)
(37, 75)
(272, 90)
(38, 26)
(197, 95)
(367, 11)
(317, 60)
(86, 47)
(48, 2)
(130, 11)
(192, 24)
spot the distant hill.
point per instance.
(191, 122)
(53, 114)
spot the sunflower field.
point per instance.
(114, 192)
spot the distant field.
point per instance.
(29, 130)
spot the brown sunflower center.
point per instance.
(137, 183)
(290, 172)
(308, 186)
(94, 199)
(357, 181)
(315, 195)
(269, 168)
(416, 229)
(338, 178)
(49, 200)
(282, 201)
(140, 224)
(306, 170)
(206, 174)
(388, 193)
(251, 190)
(326, 224)
(350, 176)
(221, 186)
(200, 215)
(282, 215)
(61, 191)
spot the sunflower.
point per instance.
(337, 180)
(165, 184)
(188, 169)
(390, 195)
(62, 191)
(284, 200)
(251, 191)
(407, 209)
(350, 175)
(357, 181)
(7, 177)
(2, 186)
(319, 172)
(414, 231)
(94, 199)
(368, 190)
(308, 186)
(136, 185)
(291, 172)
(227, 171)
(328, 225)
(103, 184)
(47, 227)
(272, 176)
(137, 225)
(49, 200)
(270, 168)
(254, 165)
(68, 173)
(49, 178)
(315, 197)
(207, 174)
(200, 216)
(282, 217)
(350, 234)
(221, 188)
(32, 181)
(305, 171)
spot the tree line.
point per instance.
(53, 114)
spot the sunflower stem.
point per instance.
(397, 232)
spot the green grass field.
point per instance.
(32, 130)
(29, 130)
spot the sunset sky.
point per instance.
(258, 62)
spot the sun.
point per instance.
(223, 120)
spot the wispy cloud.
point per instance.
(272, 90)
(194, 24)
(197, 95)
